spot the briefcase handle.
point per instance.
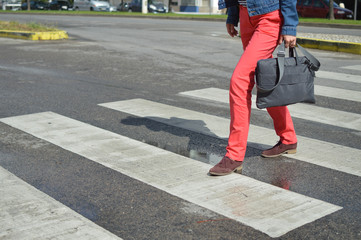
(314, 64)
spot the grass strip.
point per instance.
(28, 27)
(327, 21)
(177, 15)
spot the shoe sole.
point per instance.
(290, 151)
(236, 170)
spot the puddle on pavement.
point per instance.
(275, 172)
(210, 158)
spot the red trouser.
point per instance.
(260, 35)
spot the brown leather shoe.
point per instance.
(279, 149)
(226, 166)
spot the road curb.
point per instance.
(54, 35)
(329, 25)
(329, 45)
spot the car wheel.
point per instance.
(91, 9)
(130, 10)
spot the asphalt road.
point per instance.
(119, 59)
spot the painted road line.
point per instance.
(272, 210)
(353, 67)
(339, 76)
(222, 95)
(27, 213)
(338, 93)
(302, 111)
(317, 152)
(27, 35)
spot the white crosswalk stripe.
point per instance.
(303, 111)
(353, 67)
(27, 213)
(270, 209)
(309, 150)
(339, 76)
(338, 93)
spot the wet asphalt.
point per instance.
(110, 60)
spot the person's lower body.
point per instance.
(260, 35)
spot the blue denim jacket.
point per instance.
(258, 7)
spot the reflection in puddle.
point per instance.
(210, 158)
(282, 183)
(89, 211)
(278, 177)
(277, 174)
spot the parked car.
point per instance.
(112, 8)
(92, 5)
(35, 5)
(320, 9)
(350, 4)
(123, 7)
(13, 5)
(60, 5)
(153, 6)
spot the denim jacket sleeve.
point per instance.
(233, 15)
(290, 16)
(232, 10)
(287, 7)
(226, 3)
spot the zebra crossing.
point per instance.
(283, 212)
(267, 208)
(27, 213)
(311, 150)
(302, 111)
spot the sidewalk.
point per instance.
(330, 42)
